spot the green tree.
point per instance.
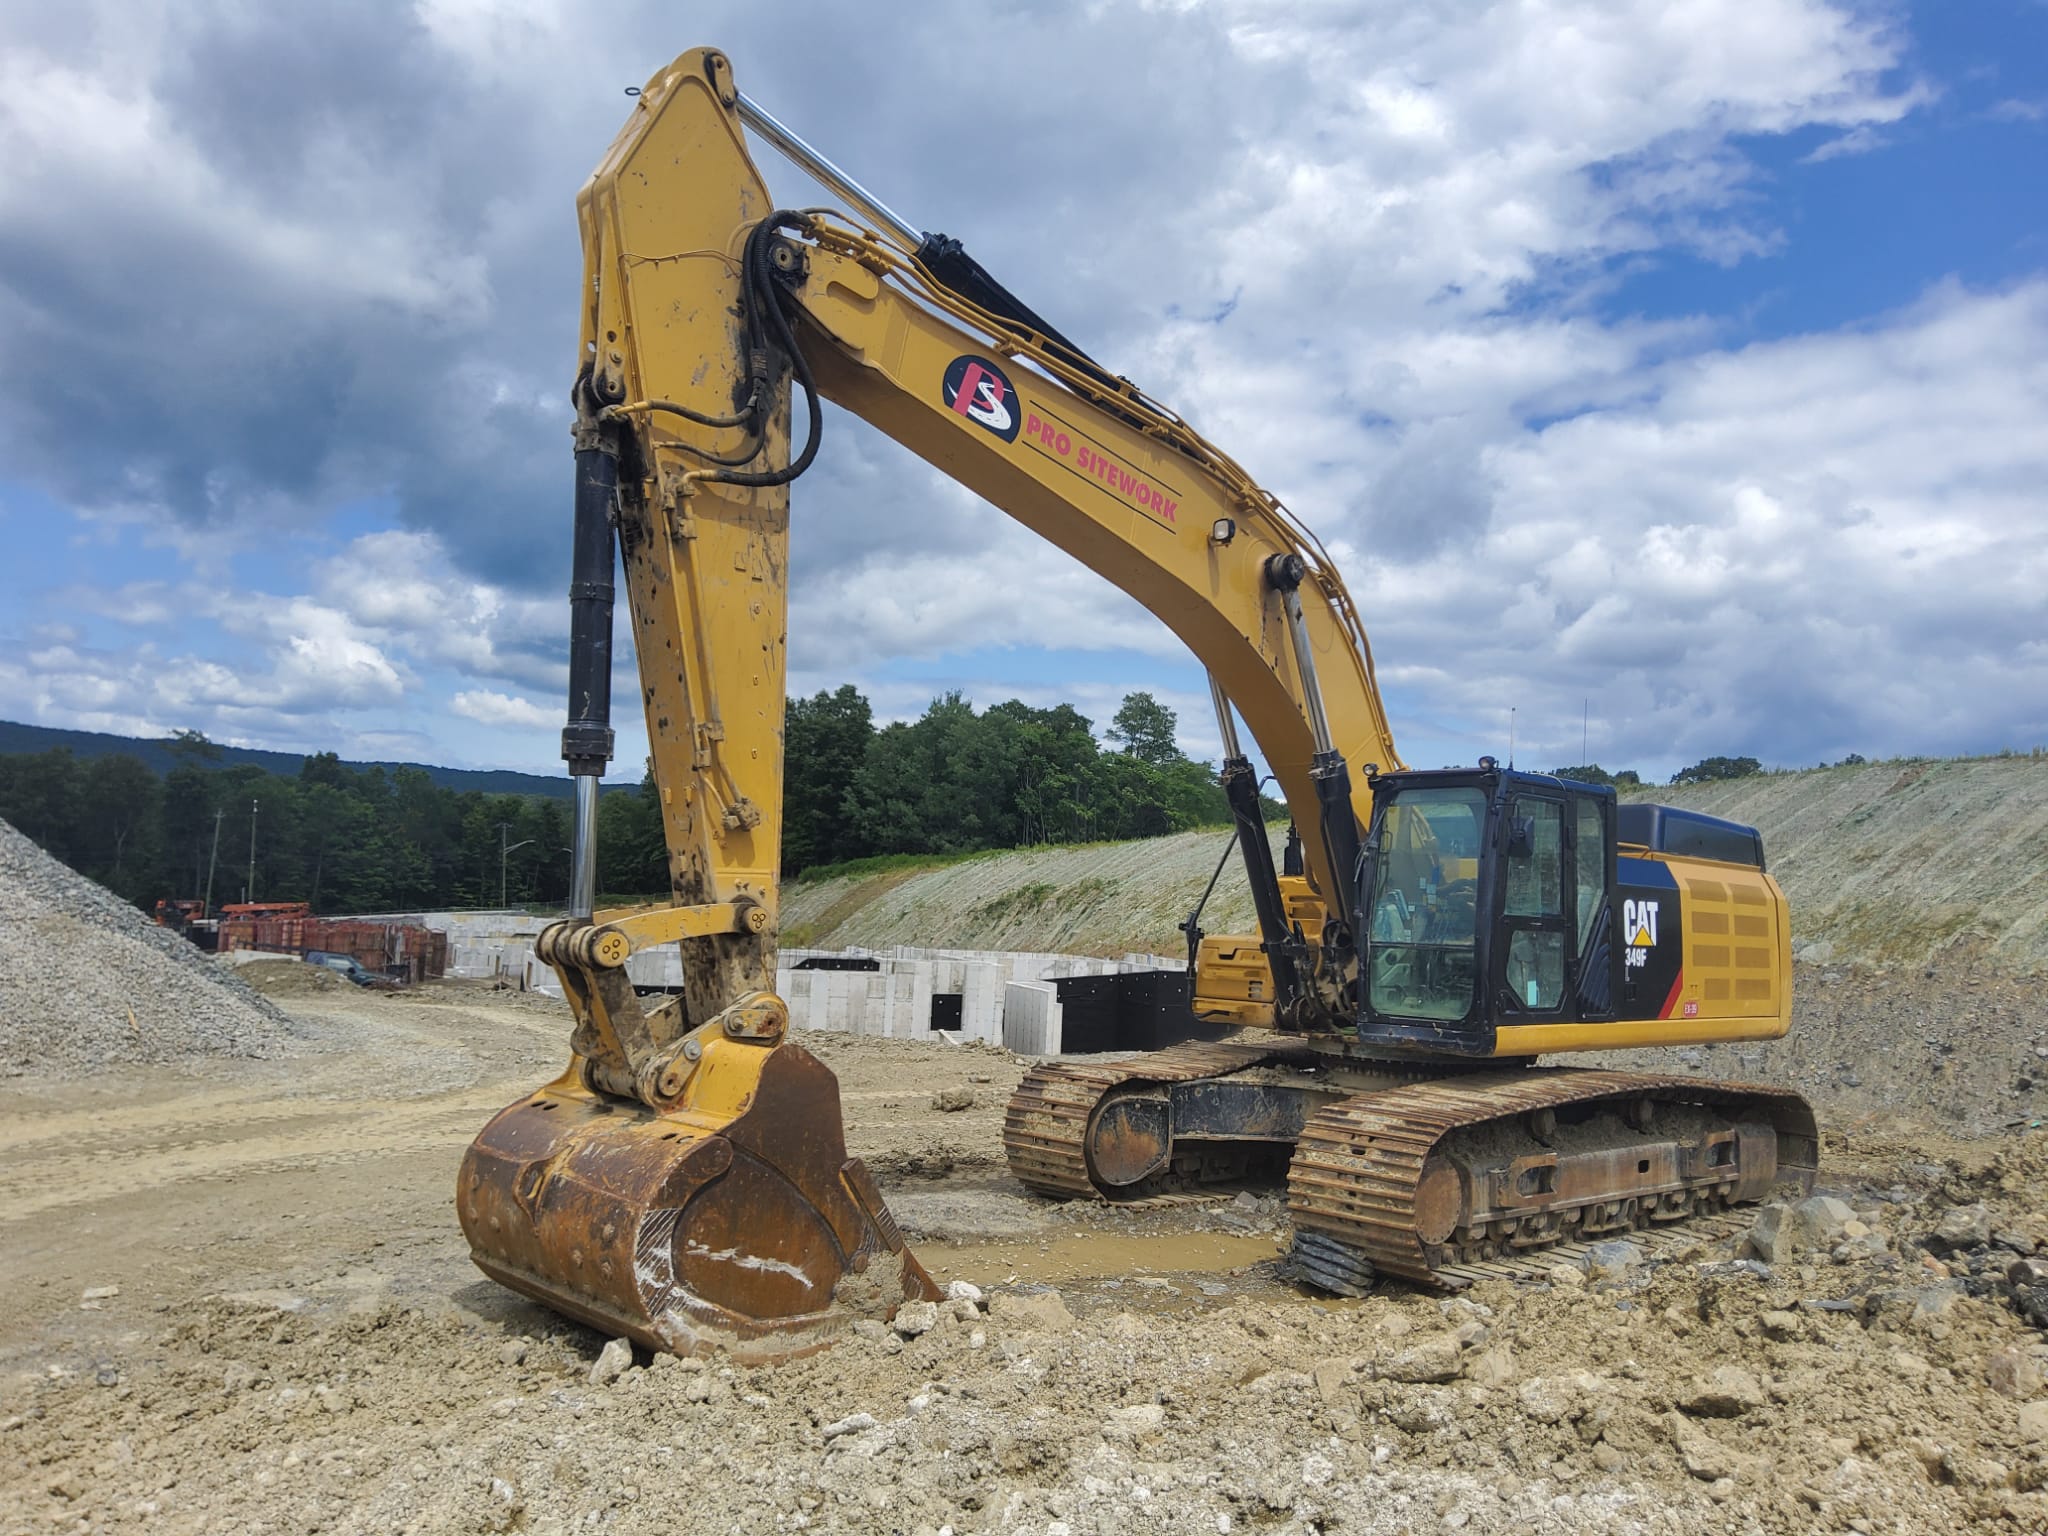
(1051, 755)
(191, 747)
(885, 801)
(923, 787)
(1593, 773)
(1139, 799)
(187, 823)
(632, 853)
(1173, 793)
(40, 796)
(378, 839)
(1129, 798)
(324, 768)
(1709, 770)
(825, 739)
(1143, 727)
(551, 849)
(124, 818)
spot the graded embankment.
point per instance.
(1899, 863)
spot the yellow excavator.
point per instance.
(685, 1181)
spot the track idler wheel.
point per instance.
(730, 1219)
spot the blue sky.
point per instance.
(1956, 190)
(1677, 363)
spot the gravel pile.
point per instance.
(87, 981)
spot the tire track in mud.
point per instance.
(179, 1149)
(311, 1112)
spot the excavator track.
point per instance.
(1437, 1173)
(1045, 1127)
(1430, 1180)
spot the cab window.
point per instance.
(1422, 906)
(1590, 862)
(1536, 969)
(1534, 889)
(1536, 866)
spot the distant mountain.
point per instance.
(156, 753)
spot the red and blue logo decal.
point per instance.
(976, 388)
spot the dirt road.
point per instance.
(299, 1343)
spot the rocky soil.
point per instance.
(1954, 1045)
(88, 982)
(238, 1302)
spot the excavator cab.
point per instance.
(1487, 901)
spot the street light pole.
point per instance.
(504, 851)
(212, 859)
(251, 895)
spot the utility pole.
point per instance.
(250, 893)
(504, 851)
(211, 859)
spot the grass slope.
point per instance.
(1884, 864)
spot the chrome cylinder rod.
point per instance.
(1226, 724)
(1305, 664)
(583, 849)
(826, 173)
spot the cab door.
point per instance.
(1533, 951)
(1589, 842)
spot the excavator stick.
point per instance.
(685, 1182)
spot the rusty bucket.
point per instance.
(731, 1219)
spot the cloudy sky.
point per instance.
(1674, 372)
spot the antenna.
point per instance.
(1511, 735)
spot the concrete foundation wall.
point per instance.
(895, 1004)
(1031, 1018)
(1005, 995)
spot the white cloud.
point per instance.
(1857, 141)
(2018, 110)
(489, 708)
(107, 137)
(1362, 247)
(406, 586)
(1809, 546)
(387, 618)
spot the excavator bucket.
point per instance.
(730, 1219)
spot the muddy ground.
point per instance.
(298, 1342)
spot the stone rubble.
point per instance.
(88, 981)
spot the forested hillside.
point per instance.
(955, 781)
(346, 840)
(354, 839)
(160, 755)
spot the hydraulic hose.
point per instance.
(764, 302)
